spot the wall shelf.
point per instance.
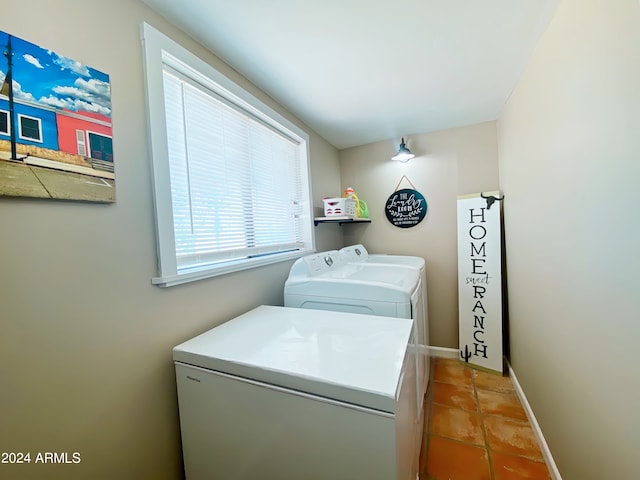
(339, 220)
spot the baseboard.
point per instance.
(443, 352)
(546, 453)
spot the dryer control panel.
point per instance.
(317, 263)
(355, 253)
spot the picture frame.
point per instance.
(56, 136)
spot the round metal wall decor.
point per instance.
(406, 208)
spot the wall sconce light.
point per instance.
(404, 154)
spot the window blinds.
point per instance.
(236, 184)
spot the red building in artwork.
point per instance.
(85, 134)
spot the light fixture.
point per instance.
(403, 154)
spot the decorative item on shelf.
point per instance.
(404, 154)
(363, 210)
(348, 209)
(339, 207)
(407, 207)
(361, 207)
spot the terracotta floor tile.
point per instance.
(499, 403)
(451, 371)
(456, 424)
(460, 403)
(450, 460)
(508, 467)
(511, 437)
(491, 381)
(454, 396)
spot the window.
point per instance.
(4, 122)
(101, 146)
(82, 146)
(30, 128)
(231, 176)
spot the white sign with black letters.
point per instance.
(480, 280)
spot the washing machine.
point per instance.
(284, 393)
(328, 281)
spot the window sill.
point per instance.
(226, 268)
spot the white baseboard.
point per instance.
(546, 453)
(443, 352)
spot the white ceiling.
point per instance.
(360, 71)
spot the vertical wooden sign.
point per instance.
(480, 280)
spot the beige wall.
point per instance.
(569, 168)
(448, 163)
(85, 339)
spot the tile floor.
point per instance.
(476, 429)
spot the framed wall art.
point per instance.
(55, 126)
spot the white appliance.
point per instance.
(286, 394)
(359, 254)
(327, 281)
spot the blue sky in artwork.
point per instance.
(45, 77)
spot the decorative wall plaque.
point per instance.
(405, 208)
(480, 286)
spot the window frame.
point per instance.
(158, 49)
(89, 148)
(6, 113)
(21, 129)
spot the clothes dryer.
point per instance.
(327, 281)
(359, 254)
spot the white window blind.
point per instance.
(231, 176)
(235, 184)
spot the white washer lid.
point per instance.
(352, 358)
